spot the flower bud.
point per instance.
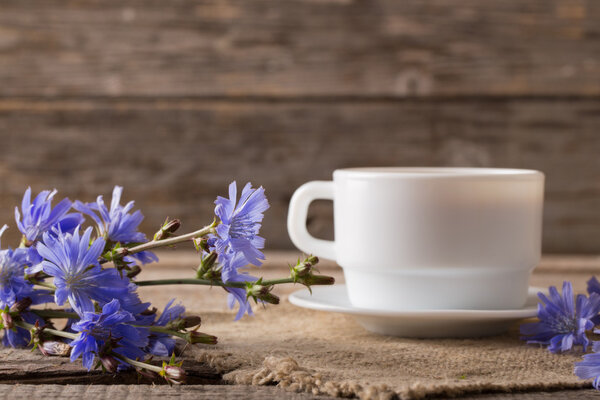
(317, 280)
(55, 348)
(149, 311)
(167, 229)
(180, 324)
(7, 320)
(191, 321)
(261, 292)
(174, 374)
(134, 271)
(21, 305)
(206, 264)
(304, 268)
(194, 337)
(109, 363)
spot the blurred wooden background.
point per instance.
(174, 99)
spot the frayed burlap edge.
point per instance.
(286, 373)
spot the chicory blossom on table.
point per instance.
(13, 288)
(593, 286)
(117, 224)
(13, 285)
(230, 273)
(563, 322)
(240, 222)
(60, 262)
(40, 217)
(111, 325)
(12, 274)
(162, 344)
(78, 277)
(589, 368)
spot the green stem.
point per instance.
(54, 332)
(162, 329)
(55, 314)
(136, 363)
(207, 282)
(44, 284)
(170, 241)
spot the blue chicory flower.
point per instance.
(97, 330)
(118, 225)
(132, 303)
(562, 322)
(593, 286)
(39, 217)
(14, 287)
(590, 366)
(78, 276)
(240, 223)
(162, 344)
(13, 284)
(230, 273)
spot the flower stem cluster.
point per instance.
(85, 258)
(259, 292)
(303, 273)
(168, 228)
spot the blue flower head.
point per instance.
(78, 276)
(39, 217)
(118, 225)
(590, 366)
(14, 287)
(162, 344)
(593, 286)
(96, 330)
(562, 322)
(12, 274)
(230, 273)
(240, 223)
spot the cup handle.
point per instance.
(298, 212)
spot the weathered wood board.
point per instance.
(200, 392)
(27, 367)
(175, 156)
(299, 48)
(175, 100)
(187, 392)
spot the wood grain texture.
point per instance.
(188, 392)
(561, 394)
(296, 48)
(175, 157)
(26, 367)
(199, 392)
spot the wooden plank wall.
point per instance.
(175, 99)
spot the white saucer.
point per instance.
(417, 323)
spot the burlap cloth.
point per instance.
(326, 353)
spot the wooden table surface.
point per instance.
(25, 374)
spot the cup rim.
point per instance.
(438, 172)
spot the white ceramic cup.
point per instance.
(429, 238)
